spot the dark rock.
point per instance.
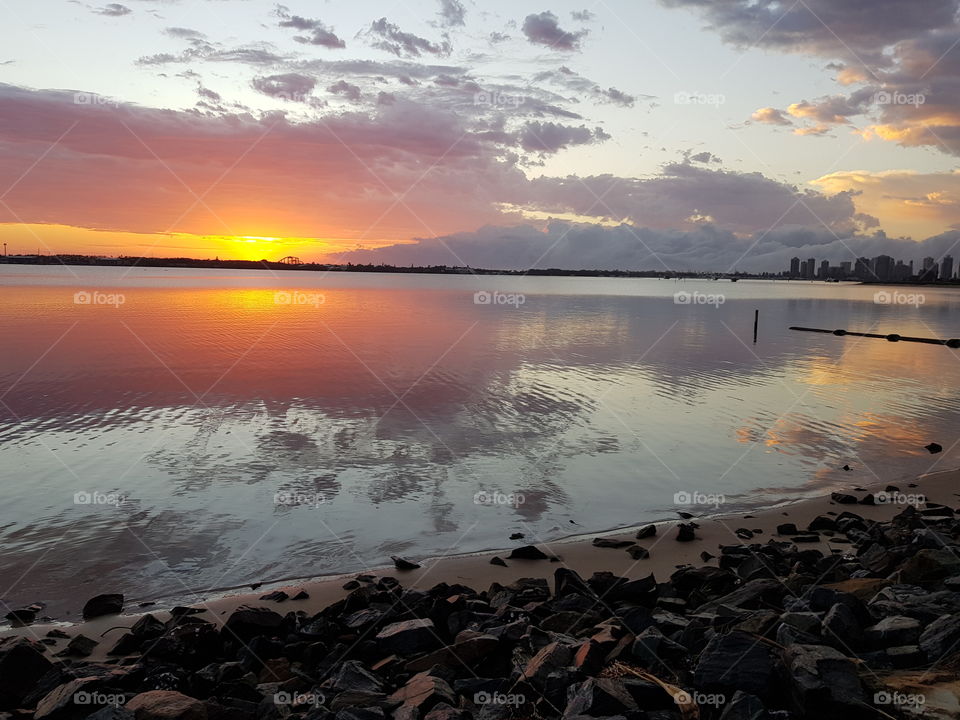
(527, 552)
(22, 664)
(80, 646)
(111, 604)
(422, 693)
(891, 631)
(647, 532)
(941, 637)
(822, 522)
(248, 622)
(824, 683)
(611, 543)
(743, 706)
(599, 697)
(929, 566)
(463, 653)
(403, 564)
(551, 657)
(275, 596)
(112, 713)
(408, 637)
(786, 529)
(933, 448)
(638, 553)
(841, 627)
(19, 618)
(496, 560)
(843, 498)
(743, 533)
(737, 661)
(685, 532)
(868, 499)
(352, 675)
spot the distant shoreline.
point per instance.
(216, 264)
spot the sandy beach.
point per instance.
(666, 553)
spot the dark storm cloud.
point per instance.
(287, 86)
(544, 29)
(318, 32)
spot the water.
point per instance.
(203, 434)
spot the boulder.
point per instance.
(247, 623)
(22, 664)
(737, 661)
(824, 683)
(166, 705)
(941, 637)
(422, 692)
(929, 566)
(527, 552)
(892, 631)
(110, 604)
(599, 697)
(465, 653)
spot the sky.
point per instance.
(617, 134)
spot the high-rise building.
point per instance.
(946, 268)
(795, 267)
(862, 269)
(929, 271)
(882, 267)
(824, 269)
(809, 268)
(845, 268)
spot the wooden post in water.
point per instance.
(756, 319)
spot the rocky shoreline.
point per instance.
(771, 627)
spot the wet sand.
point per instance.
(579, 554)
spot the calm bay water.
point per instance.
(202, 431)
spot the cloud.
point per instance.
(113, 10)
(389, 37)
(574, 246)
(288, 86)
(183, 32)
(582, 15)
(319, 33)
(543, 29)
(452, 13)
(548, 137)
(342, 87)
(818, 130)
(770, 116)
(905, 55)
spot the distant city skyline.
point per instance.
(882, 268)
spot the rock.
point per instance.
(496, 560)
(166, 705)
(19, 618)
(822, 522)
(352, 675)
(112, 713)
(464, 653)
(111, 604)
(517, 536)
(941, 637)
(743, 533)
(824, 683)
(527, 552)
(647, 532)
(638, 553)
(551, 657)
(843, 498)
(737, 661)
(861, 588)
(611, 543)
(743, 706)
(929, 566)
(22, 664)
(403, 564)
(868, 499)
(599, 697)
(408, 637)
(70, 698)
(275, 596)
(933, 448)
(422, 692)
(786, 529)
(840, 627)
(79, 646)
(248, 622)
(891, 631)
(685, 532)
